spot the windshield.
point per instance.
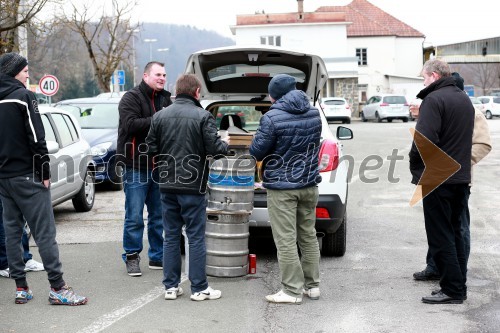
(94, 115)
(395, 99)
(242, 70)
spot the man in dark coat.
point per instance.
(446, 120)
(288, 142)
(25, 183)
(181, 138)
(140, 181)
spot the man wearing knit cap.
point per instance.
(287, 142)
(25, 183)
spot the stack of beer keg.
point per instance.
(230, 203)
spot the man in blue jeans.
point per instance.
(140, 182)
(181, 138)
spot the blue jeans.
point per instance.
(188, 209)
(465, 229)
(4, 264)
(141, 188)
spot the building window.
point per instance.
(362, 57)
(270, 40)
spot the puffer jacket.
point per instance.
(23, 149)
(136, 109)
(446, 119)
(288, 143)
(180, 139)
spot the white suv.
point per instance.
(491, 106)
(238, 77)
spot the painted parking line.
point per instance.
(109, 319)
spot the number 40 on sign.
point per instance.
(49, 85)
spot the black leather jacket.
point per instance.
(180, 139)
(136, 108)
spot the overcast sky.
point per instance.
(442, 21)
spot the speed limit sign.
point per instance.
(49, 85)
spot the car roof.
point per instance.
(50, 109)
(243, 73)
(332, 98)
(91, 100)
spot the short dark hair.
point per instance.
(187, 84)
(150, 64)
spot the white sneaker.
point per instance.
(208, 293)
(5, 273)
(172, 293)
(312, 293)
(33, 266)
(281, 297)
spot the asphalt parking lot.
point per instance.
(369, 289)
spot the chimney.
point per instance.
(300, 4)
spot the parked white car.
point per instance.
(491, 106)
(71, 164)
(386, 106)
(336, 109)
(239, 77)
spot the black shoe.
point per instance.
(132, 262)
(426, 275)
(434, 292)
(155, 265)
(441, 298)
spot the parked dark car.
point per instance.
(98, 118)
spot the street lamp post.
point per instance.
(134, 67)
(165, 49)
(150, 41)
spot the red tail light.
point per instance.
(384, 104)
(406, 104)
(241, 114)
(347, 106)
(322, 213)
(328, 156)
(219, 115)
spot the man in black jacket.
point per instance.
(140, 182)
(446, 120)
(25, 183)
(181, 138)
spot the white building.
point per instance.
(365, 49)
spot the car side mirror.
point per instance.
(52, 146)
(344, 133)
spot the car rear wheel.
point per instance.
(347, 121)
(334, 245)
(405, 120)
(488, 115)
(84, 200)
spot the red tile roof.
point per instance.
(315, 17)
(369, 20)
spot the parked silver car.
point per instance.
(71, 165)
(386, 106)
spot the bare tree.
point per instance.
(106, 37)
(16, 13)
(486, 76)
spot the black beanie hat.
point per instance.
(459, 81)
(280, 85)
(12, 64)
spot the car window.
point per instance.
(395, 99)
(376, 99)
(71, 126)
(49, 131)
(63, 129)
(496, 100)
(94, 115)
(484, 100)
(335, 102)
(475, 100)
(240, 70)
